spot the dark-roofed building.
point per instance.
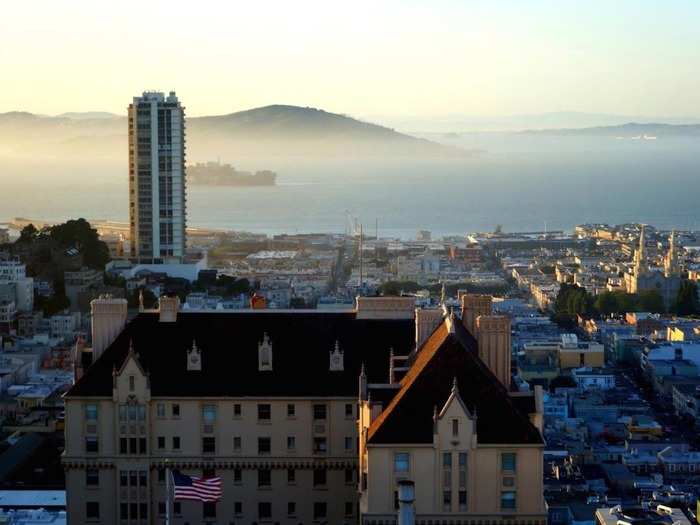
(266, 399)
(473, 448)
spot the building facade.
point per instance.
(446, 422)
(157, 178)
(265, 399)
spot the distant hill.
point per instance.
(268, 131)
(631, 129)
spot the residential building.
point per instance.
(157, 178)
(80, 281)
(447, 422)
(275, 417)
(13, 272)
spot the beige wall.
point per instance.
(485, 478)
(189, 426)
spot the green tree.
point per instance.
(28, 234)
(651, 301)
(79, 234)
(687, 299)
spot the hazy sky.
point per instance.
(433, 57)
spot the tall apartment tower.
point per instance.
(157, 178)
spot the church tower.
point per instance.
(640, 263)
(671, 260)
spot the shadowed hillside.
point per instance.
(269, 131)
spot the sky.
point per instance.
(377, 57)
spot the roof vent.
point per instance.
(336, 359)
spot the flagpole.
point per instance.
(168, 490)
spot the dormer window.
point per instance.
(336, 359)
(132, 383)
(265, 354)
(455, 427)
(194, 359)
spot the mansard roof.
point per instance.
(447, 354)
(301, 342)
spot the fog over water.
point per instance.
(521, 182)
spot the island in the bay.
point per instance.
(217, 174)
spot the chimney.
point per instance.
(495, 346)
(385, 307)
(168, 307)
(407, 495)
(427, 320)
(108, 320)
(474, 305)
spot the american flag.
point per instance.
(196, 489)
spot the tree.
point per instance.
(687, 299)
(28, 234)
(79, 234)
(651, 301)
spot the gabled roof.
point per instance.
(301, 342)
(428, 384)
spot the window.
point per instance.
(447, 500)
(291, 475)
(320, 412)
(161, 508)
(462, 500)
(291, 508)
(161, 475)
(161, 442)
(401, 462)
(92, 510)
(508, 500)
(508, 462)
(208, 510)
(236, 443)
(291, 410)
(320, 510)
(348, 443)
(237, 475)
(176, 442)
(264, 510)
(143, 478)
(208, 445)
(320, 445)
(133, 478)
(238, 507)
(349, 475)
(508, 481)
(123, 478)
(177, 508)
(132, 383)
(349, 508)
(264, 477)
(124, 511)
(142, 446)
(264, 412)
(132, 446)
(319, 477)
(209, 413)
(291, 443)
(455, 427)
(176, 410)
(122, 413)
(92, 477)
(349, 412)
(92, 444)
(236, 410)
(142, 412)
(91, 412)
(143, 511)
(264, 445)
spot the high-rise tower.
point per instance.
(157, 178)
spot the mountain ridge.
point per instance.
(273, 130)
